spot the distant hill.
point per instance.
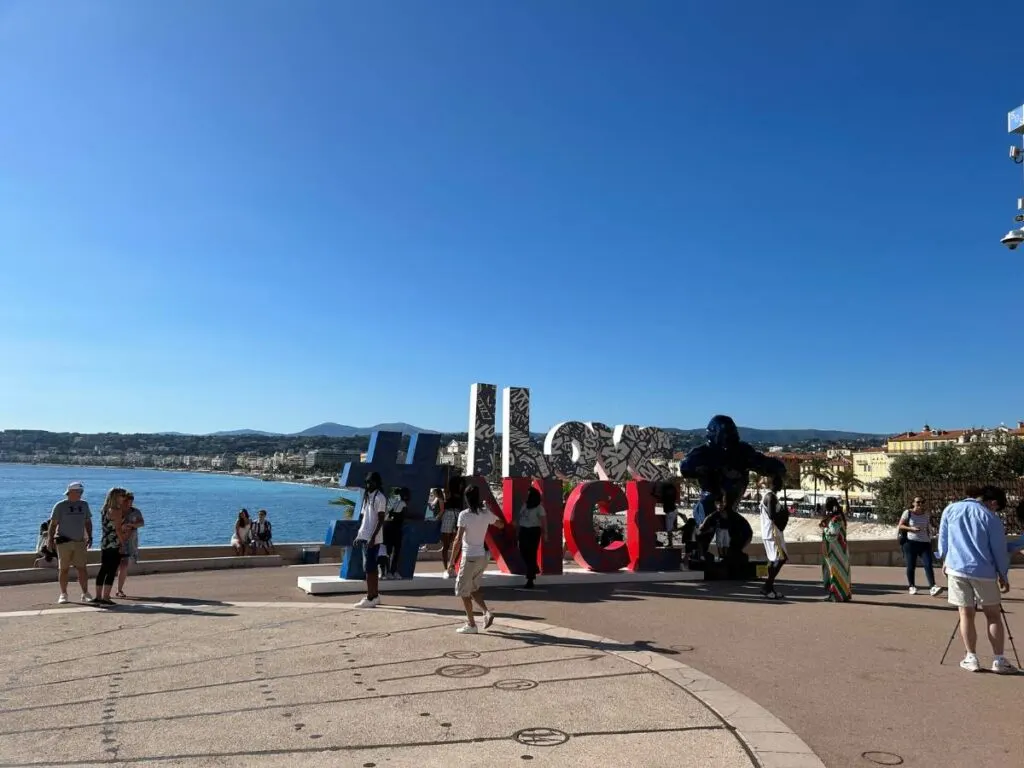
(790, 436)
(242, 433)
(330, 429)
(750, 434)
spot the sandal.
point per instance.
(121, 595)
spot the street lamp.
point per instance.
(1015, 125)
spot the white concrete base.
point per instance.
(333, 585)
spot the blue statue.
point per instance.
(722, 468)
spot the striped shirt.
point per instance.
(920, 520)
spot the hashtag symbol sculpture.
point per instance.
(419, 474)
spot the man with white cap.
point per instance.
(71, 532)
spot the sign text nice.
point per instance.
(587, 452)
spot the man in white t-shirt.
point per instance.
(371, 536)
(472, 537)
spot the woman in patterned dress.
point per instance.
(835, 554)
(111, 544)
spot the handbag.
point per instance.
(901, 535)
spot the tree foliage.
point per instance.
(942, 476)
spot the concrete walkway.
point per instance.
(205, 683)
(860, 683)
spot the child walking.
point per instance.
(473, 523)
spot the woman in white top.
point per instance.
(241, 538)
(530, 522)
(471, 536)
(915, 532)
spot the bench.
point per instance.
(143, 567)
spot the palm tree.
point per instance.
(817, 469)
(846, 480)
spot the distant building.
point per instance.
(225, 462)
(929, 439)
(330, 460)
(871, 465)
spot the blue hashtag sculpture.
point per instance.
(419, 474)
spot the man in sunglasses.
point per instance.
(972, 543)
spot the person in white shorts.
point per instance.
(972, 543)
(471, 535)
(772, 524)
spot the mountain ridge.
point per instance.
(328, 429)
(749, 434)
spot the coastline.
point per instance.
(270, 477)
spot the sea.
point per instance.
(179, 507)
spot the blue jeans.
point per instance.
(911, 551)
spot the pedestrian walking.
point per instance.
(370, 536)
(530, 522)
(915, 532)
(471, 536)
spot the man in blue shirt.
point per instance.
(972, 543)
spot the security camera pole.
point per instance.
(1015, 125)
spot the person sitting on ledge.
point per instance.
(262, 534)
(731, 532)
(46, 558)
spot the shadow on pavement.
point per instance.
(174, 600)
(171, 610)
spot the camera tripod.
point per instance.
(1009, 635)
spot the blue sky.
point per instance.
(265, 214)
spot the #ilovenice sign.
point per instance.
(597, 457)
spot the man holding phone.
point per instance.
(972, 544)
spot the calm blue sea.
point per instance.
(179, 507)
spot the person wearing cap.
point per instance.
(71, 533)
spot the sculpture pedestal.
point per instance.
(422, 582)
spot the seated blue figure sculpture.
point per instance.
(722, 468)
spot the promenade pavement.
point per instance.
(234, 668)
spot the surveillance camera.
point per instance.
(1013, 238)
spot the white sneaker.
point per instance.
(368, 603)
(913, 590)
(1002, 667)
(86, 597)
(446, 575)
(467, 629)
(62, 599)
(935, 590)
(970, 663)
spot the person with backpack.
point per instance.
(471, 536)
(774, 518)
(370, 536)
(915, 538)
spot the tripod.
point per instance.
(1009, 635)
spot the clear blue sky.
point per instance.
(267, 214)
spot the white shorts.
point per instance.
(966, 593)
(775, 547)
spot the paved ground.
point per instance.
(272, 684)
(860, 683)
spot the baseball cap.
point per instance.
(74, 487)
